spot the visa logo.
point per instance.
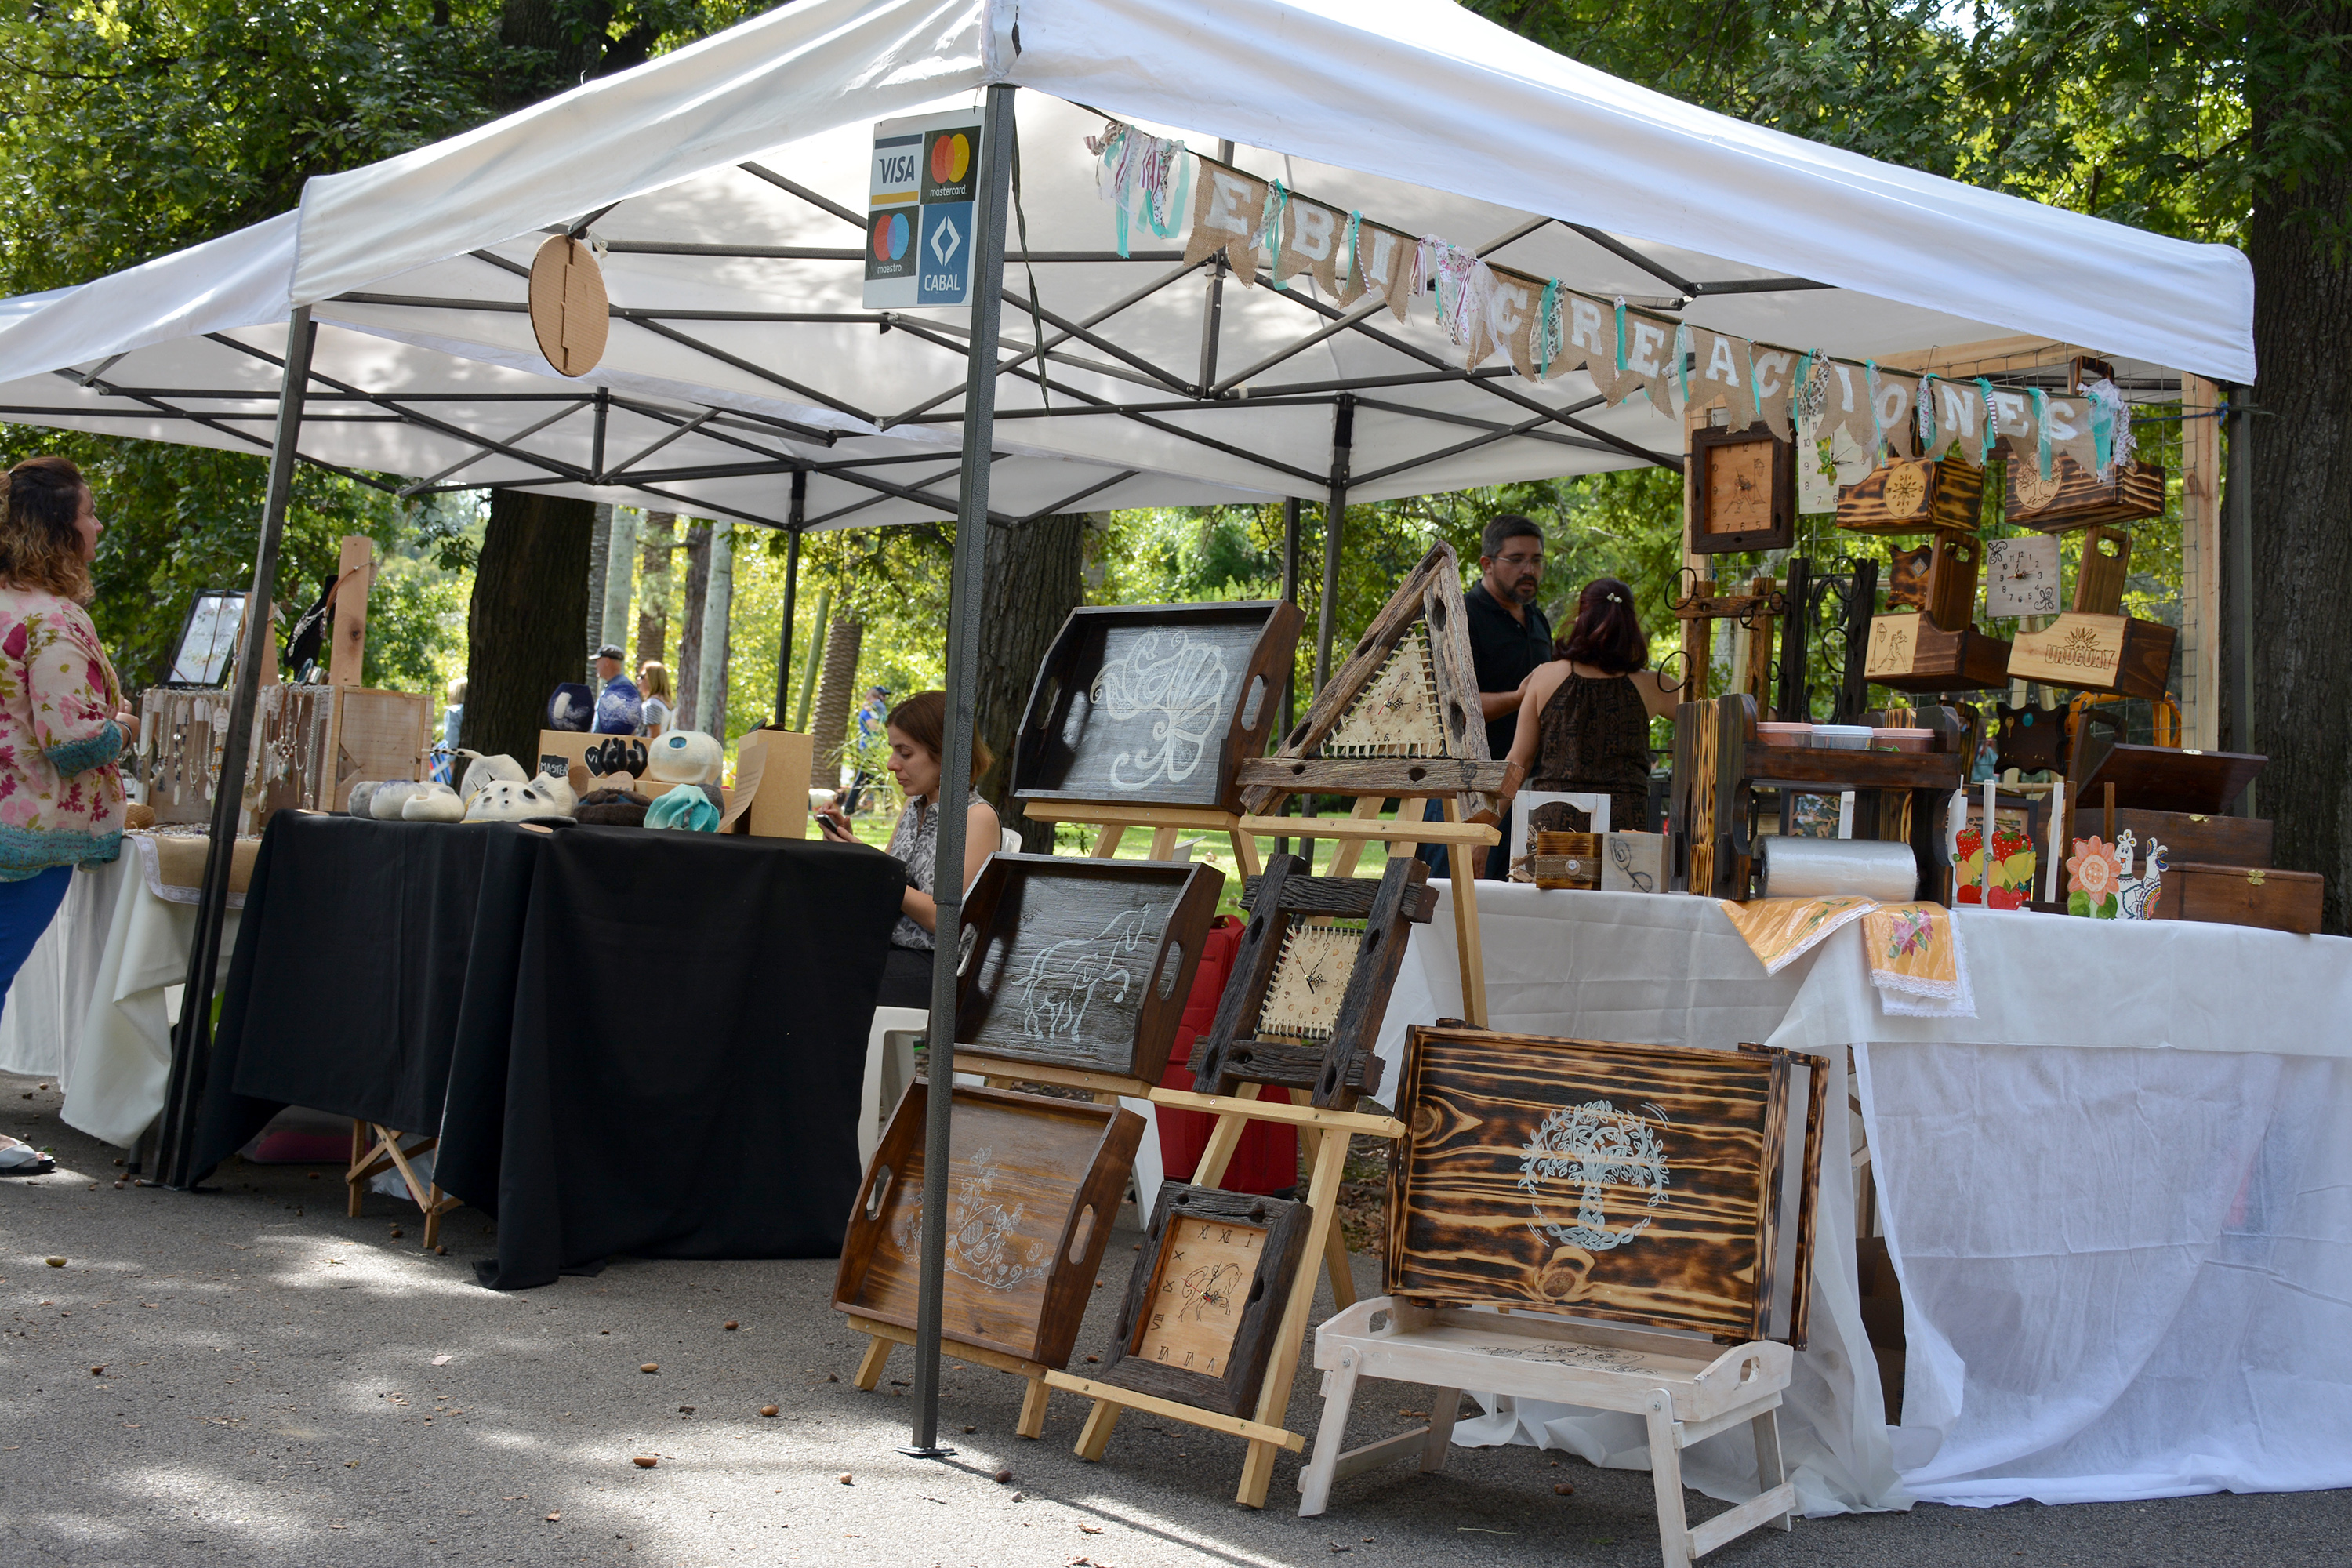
(898, 168)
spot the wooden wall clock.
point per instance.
(1746, 486)
(1081, 964)
(1311, 980)
(1206, 1298)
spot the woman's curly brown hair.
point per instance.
(40, 545)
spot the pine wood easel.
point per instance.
(376, 1148)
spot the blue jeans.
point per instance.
(27, 908)
(1498, 863)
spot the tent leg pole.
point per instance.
(1335, 517)
(955, 762)
(1289, 597)
(792, 598)
(192, 1040)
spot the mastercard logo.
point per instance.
(950, 159)
(890, 236)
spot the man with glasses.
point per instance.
(1508, 638)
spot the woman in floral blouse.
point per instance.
(62, 722)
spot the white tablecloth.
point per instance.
(2119, 1199)
(41, 1025)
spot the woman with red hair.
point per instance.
(1584, 718)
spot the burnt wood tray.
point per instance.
(1082, 964)
(1640, 1184)
(1034, 1188)
(1206, 1298)
(2158, 778)
(1154, 704)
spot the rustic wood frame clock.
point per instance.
(1206, 1296)
(1745, 490)
(1307, 994)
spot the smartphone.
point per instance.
(831, 825)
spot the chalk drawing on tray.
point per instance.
(1592, 1147)
(1065, 980)
(1179, 683)
(984, 1240)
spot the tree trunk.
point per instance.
(522, 631)
(2302, 499)
(654, 588)
(836, 694)
(1034, 579)
(599, 569)
(688, 677)
(718, 610)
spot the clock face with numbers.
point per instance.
(1302, 1001)
(2022, 576)
(1207, 1267)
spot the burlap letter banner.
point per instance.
(1227, 208)
(1592, 342)
(1383, 267)
(1310, 243)
(1719, 373)
(1774, 381)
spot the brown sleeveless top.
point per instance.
(1595, 739)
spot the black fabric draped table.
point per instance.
(631, 1041)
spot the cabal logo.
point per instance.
(946, 241)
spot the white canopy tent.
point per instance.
(726, 183)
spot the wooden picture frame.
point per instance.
(1153, 705)
(1428, 602)
(1034, 1186)
(1206, 1296)
(1744, 491)
(1081, 964)
(1525, 1158)
(1285, 904)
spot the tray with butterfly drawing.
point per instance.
(1153, 705)
(1640, 1183)
(1311, 980)
(1034, 1188)
(1400, 717)
(1081, 964)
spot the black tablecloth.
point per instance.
(343, 989)
(651, 1042)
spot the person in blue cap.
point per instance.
(620, 710)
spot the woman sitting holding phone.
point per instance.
(917, 729)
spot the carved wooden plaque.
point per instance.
(1082, 964)
(1033, 1187)
(1635, 1183)
(1206, 1296)
(1154, 704)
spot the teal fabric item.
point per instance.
(27, 852)
(80, 756)
(686, 808)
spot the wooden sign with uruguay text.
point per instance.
(1154, 705)
(1206, 1296)
(1034, 1188)
(1081, 964)
(2097, 653)
(1640, 1183)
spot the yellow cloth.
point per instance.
(1778, 931)
(1912, 949)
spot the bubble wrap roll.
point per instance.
(1815, 867)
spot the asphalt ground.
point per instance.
(247, 1376)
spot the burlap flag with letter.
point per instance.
(1513, 310)
(1895, 394)
(1849, 405)
(1649, 356)
(1310, 243)
(1592, 342)
(1384, 267)
(2067, 422)
(1959, 421)
(1719, 373)
(1228, 208)
(1773, 379)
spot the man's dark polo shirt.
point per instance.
(1505, 651)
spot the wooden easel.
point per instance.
(376, 1148)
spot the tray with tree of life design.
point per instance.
(1034, 1188)
(1206, 1296)
(1081, 964)
(1640, 1184)
(1154, 705)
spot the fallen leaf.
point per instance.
(832, 1377)
(98, 1372)
(1563, 1488)
(645, 1461)
(1003, 1477)
(1090, 1530)
(1020, 1497)
(442, 1360)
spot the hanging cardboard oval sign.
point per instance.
(569, 313)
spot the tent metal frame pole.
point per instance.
(791, 595)
(191, 1041)
(1335, 523)
(955, 762)
(1289, 597)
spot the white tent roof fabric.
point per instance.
(727, 181)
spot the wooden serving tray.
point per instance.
(1082, 964)
(1640, 1183)
(2158, 778)
(1034, 1188)
(1146, 705)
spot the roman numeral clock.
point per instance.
(1206, 1296)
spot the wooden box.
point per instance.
(1745, 490)
(1912, 653)
(1206, 1296)
(1082, 964)
(774, 766)
(2194, 837)
(1154, 704)
(2241, 895)
(2074, 496)
(1914, 495)
(2158, 778)
(2097, 653)
(1633, 863)
(1640, 1184)
(1566, 860)
(1034, 1188)
(377, 735)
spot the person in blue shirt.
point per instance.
(620, 710)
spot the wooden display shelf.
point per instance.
(1162, 822)
(1822, 768)
(1394, 777)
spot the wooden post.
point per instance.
(354, 576)
(2201, 564)
(1759, 648)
